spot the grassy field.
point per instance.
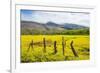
(80, 43)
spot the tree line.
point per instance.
(83, 31)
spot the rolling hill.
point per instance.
(48, 28)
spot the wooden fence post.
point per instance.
(55, 47)
(31, 45)
(44, 44)
(73, 50)
(63, 45)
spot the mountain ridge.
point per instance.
(51, 25)
(29, 27)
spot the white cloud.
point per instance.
(58, 17)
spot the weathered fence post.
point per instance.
(73, 50)
(44, 44)
(31, 45)
(55, 47)
(63, 45)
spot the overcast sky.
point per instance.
(57, 17)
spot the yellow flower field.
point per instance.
(36, 54)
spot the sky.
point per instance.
(56, 17)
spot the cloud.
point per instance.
(57, 17)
